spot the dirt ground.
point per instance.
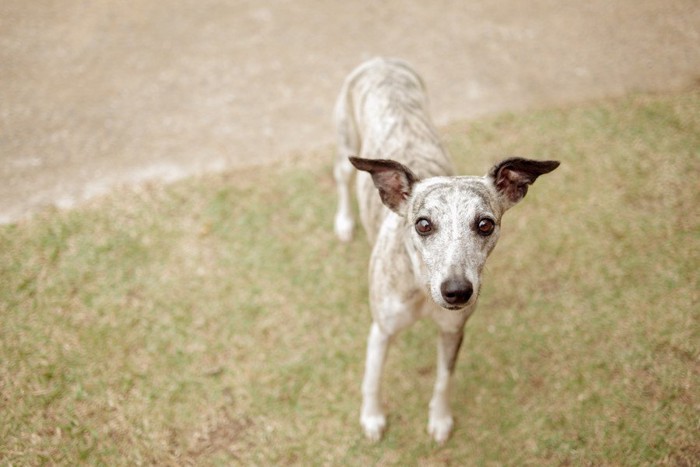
(94, 94)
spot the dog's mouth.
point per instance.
(454, 307)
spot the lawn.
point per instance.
(217, 320)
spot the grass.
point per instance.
(216, 321)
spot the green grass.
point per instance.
(217, 321)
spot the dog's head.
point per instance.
(453, 223)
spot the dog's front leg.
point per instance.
(440, 421)
(372, 416)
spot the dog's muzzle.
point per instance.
(456, 292)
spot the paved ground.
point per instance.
(99, 93)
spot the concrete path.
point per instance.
(99, 93)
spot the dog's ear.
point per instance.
(512, 177)
(393, 180)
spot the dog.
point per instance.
(431, 231)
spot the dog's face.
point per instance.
(453, 223)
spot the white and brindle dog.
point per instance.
(431, 244)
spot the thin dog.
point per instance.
(432, 231)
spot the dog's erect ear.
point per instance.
(511, 177)
(393, 180)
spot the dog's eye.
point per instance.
(485, 227)
(424, 227)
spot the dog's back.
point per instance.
(382, 113)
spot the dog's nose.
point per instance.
(457, 292)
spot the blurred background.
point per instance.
(95, 94)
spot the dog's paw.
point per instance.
(440, 428)
(344, 226)
(373, 425)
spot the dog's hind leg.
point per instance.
(440, 420)
(344, 222)
(348, 145)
